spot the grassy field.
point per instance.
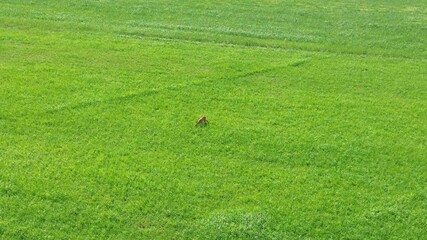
(317, 110)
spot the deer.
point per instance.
(202, 121)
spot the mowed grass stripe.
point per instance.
(369, 28)
(217, 37)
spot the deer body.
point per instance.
(202, 121)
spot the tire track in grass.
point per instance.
(154, 91)
(251, 41)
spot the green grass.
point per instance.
(317, 116)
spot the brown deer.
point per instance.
(202, 121)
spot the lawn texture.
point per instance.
(317, 119)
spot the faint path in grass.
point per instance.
(153, 91)
(195, 36)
